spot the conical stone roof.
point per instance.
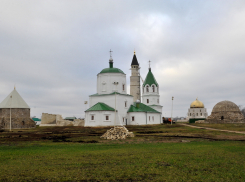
(14, 100)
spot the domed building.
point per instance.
(225, 112)
(111, 105)
(197, 111)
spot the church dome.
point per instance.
(112, 70)
(225, 106)
(197, 104)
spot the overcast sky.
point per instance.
(52, 50)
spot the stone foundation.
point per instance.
(16, 123)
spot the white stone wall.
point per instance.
(99, 118)
(105, 83)
(197, 113)
(142, 118)
(110, 101)
(151, 97)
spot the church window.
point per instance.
(197, 114)
(158, 101)
(190, 114)
(152, 118)
(201, 114)
(200, 110)
(104, 86)
(123, 87)
(92, 117)
(23, 122)
(147, 100)
(132, 118)
(107, 118)
(153, 88)
(149, 118)
(147, 88)
(125, 103)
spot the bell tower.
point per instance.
(135, 79)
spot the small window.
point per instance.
(147, 100)
(190, 114)
(149, 118)
(107, 118)
(132, 118)
(197, 114)
(125, 103)
(152, 118)
(23, 122)
(200, 110)
(201, 114)
(153, 88)
(158, 101)
(123, 87)
(92, 117)
(147, 88)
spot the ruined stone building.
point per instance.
(14, 110)
(225, 112)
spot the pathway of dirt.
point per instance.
(240, 132)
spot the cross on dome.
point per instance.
(149, 64)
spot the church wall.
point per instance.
(110, 101)
(157, 108)
(99, 118)
(105, 83)
(143, 118)
(153, 99)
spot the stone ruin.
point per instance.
(226, 112)
(57, 120)
(117, 133)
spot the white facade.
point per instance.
(99, 118)
(143, 118)
(105, 83)
(112, 95)
(122, 103)
(197, 113)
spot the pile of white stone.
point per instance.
(117, 133)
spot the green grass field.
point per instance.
(153, 155)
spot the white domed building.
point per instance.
(111, 105)
(197, 111)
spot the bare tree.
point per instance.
(242, 109)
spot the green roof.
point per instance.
(100, 106)
(113, 93)
(112, 70)
(36, 119)
(142, 108)
(150, 79)
(70, 118)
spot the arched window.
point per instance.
(147, 100)
(190, 114)
(147, 88)
(123, 87)
(153, 88)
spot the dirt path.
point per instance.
(240, 132)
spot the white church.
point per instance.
(111, 105)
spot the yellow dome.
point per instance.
(197, 104)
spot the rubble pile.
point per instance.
(116, 133)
